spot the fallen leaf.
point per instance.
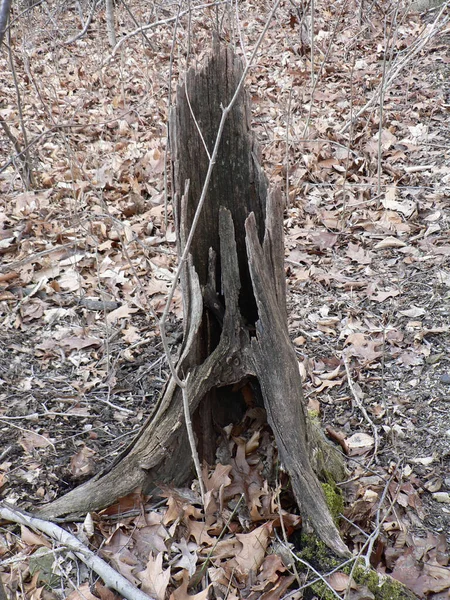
(82, 593)
(390, 242)
(359, 443)
(154, 578)
(30, 440)
(81, 463)
(253, 549)
(181, 593)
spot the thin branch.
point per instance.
(28, 179)
(401, 63)
(288, 124)
(162, 22)
(135, 21)
(322, 64)
(197, 126)
(82, 33)
(169, 107)
(362, 408)
(313, 12)
(23, 429)
(112, 578)
(191, 436)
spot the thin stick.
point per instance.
(169, 107)
(191, 436)
(23, 429)
(313, 11)
(322, 65)
(82, 33)
(362, 408)
(400, 64)
(28, 178)
(112, 578)
(162, 22)
(288, 123)
(382, 93)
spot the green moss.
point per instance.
(314, 415)
(315, 553)
(334, 500)
(382, 587)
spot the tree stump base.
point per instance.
(234, 298)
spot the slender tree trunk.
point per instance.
(110, 23)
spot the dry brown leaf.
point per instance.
(82, 593)
(154, 578)
(33, 539)
(82, 463)
(123, 312)
(181, 593)
(340, 581)
(30, 440)
(253, 549)
(358, 254)
(381, 295)
(390, 242)
(105, 593)
(78, 343)
(359, 443)
(220, 477)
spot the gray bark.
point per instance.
(234, 299)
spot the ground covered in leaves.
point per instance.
(88, 255)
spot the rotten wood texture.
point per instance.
(234, 298)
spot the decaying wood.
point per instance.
(234, 299)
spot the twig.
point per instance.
(29, 431)
(194, 118)
(389, 40)
(313, 14)
(288, 123)
(241, 38)
(320, 577)
(112, 578)
(135, 21)
(191, 436)
(322, 65)
(169, 108)
(197, 577)
(401, 63)
(28, 178)
(162, 22)
(31, 257)
(82, 33)
(362, 408)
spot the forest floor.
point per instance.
(88, 256)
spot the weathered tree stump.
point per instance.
(235, 318)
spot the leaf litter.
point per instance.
(87, 259)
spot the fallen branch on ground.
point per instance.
(112, 578)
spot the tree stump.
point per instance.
(234, 299)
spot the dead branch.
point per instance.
(112, 578)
